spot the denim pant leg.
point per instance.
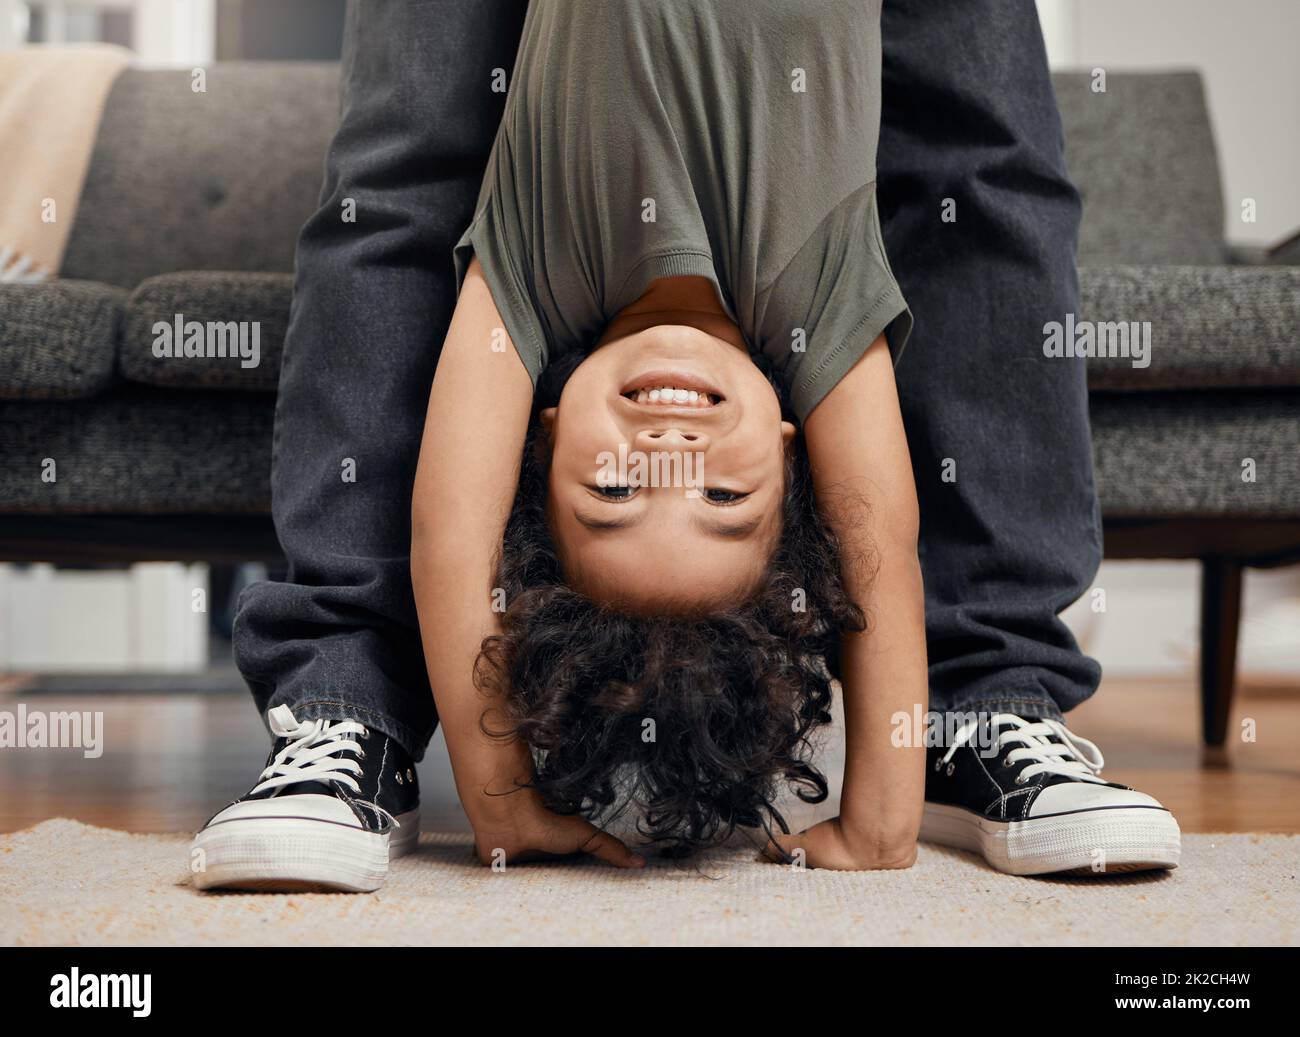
(999, 434)
(372, 301)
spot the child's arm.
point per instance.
(862, 476)
(464, 487)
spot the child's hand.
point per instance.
(527, 831)
(831, 845)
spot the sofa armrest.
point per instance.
(1224, 327)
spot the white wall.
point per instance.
(85, 620)
(165, 33)
(1151, 626)
(180, 33)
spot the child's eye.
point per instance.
(724, 496)
(614, 492)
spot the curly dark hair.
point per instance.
(696, 720)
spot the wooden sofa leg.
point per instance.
(1220, 620)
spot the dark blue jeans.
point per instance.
(968, 115)
(1011, 527)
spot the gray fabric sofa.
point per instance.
(156, 458)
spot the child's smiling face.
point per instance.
(660, 502)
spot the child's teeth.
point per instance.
(669, 394)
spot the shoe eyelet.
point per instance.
(1006, 760)
(399, 777)
(410, 776)
(365, 734)
(1021, 779)
(937, 765)
(361, 754)
(951, 767)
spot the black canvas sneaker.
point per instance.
(335, 802)
(1033, 801)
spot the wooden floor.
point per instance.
(1149, 732)
(170, 761)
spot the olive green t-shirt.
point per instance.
(728, 139)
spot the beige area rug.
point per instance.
(63, 882)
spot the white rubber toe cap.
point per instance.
(309, 807)
(1086, 795)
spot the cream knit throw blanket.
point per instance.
(51, 100)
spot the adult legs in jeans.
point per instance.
(371, 305)
(1010, 527)
(968, 115)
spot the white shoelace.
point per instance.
(1046, 747)
(311, 753)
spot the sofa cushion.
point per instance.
(1142, 156)
(58, 339)
(1164, 455)
(221, 179)
(1210, 327)
(138, 450)
(257, 304)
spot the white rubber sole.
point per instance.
(1101, 842)
(406, 837)
(293, 854)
